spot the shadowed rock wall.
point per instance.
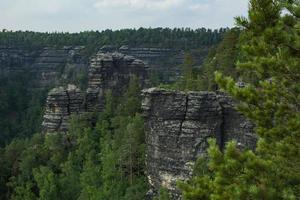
(107, 71)
(112, 71)
(47, 66)
(164, 62)
(177, 126)
(61, 104)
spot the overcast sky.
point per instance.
(81, 15)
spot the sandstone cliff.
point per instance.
(177, 126)
(107, 71)
(47, 66)
(61, 104)
(52, 66)
(165, 62)
(112, 71)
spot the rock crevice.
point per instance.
(177, 126)
(107, 71)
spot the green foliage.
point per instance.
(155, 78)
(222, 59)
(46, 182)
(270, 65)
(98, 163)
(151, 37)
(122, 145)
(163, 195)
(190, 79)
(20, 109)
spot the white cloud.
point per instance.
(138, 4)
(80, 15)
(199, 7)
(40, 6)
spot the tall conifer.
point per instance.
(271, 65)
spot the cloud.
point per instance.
(199, 7)
(138, 4)
(214, 6)
(80, 15)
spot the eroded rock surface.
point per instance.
(177, 127)
(61, 103)
(112, 71)
(162, 61)
(107, 71)
(47, 66)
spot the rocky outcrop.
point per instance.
(177, 126)
(47, 66)
(112, 71)
(14, 59)
(107, 71)
(50, 66)
(164, 62)
(62, 102)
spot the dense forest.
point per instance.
(178, 38)
(269, 63)
(22, 108)
(102, 161)
(221, 57)
(102, 157)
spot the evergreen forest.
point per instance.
(102, 156)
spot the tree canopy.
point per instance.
(270, 61)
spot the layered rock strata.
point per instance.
(107, 71)
(177, 126)
(62, 102)
(164, 62)
(112, 71)
(47, 66)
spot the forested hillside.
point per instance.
(100, 161)
(222, 58)
(179, 38)
(21, 109)
(249, 81)
(25, 65)
(269, 97)
(97, 160)
(102, 156)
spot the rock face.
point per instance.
(50, 66)
(47, 66)
(14, 59)
(164, 62)
(112, 71)
(107, 71)
(177, 127)
(61, 104)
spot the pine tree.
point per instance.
(122, 146)
(47, 183)
(271, 60)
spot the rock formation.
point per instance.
(112, 71)
(47, 66)
(164, 62)
(107, 71)
(61, 104)
(177, 126)
(50, 66)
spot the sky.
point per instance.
(85, 15)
